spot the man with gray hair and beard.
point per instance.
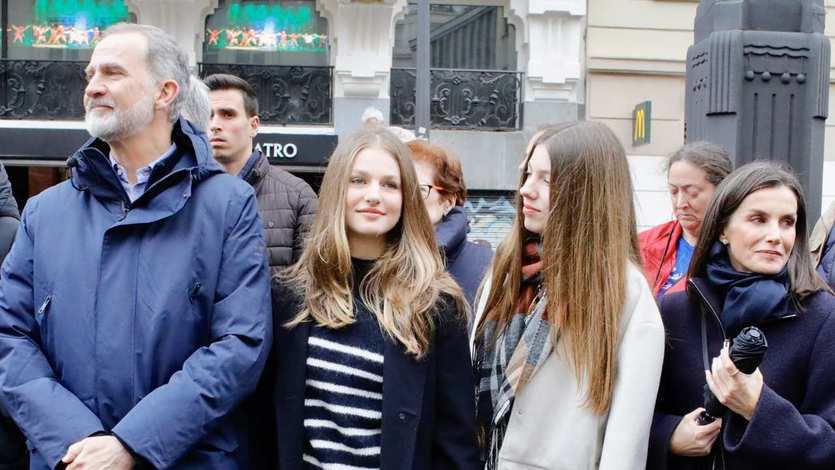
(135, 302)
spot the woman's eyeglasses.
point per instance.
(426, 189)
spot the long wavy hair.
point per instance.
(404, 287)
(588, 242)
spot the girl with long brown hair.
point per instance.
(568, 341)
(370, 352)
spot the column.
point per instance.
(550, 43)
(362, 34)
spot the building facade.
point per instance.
(500, 70)
(636, 52)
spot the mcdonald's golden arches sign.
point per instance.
(642, 123)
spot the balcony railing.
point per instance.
(286, 94)
(41, 89)
(461, 99)
(49, 89)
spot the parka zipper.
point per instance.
(126, 207)
(40, 317)
(43, 307)
(724, 339)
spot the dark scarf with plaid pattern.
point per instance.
(506, 358)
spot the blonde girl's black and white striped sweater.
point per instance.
(343, 400)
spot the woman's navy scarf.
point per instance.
(750, 298)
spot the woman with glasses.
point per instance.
(568, 342)
(693, 172)
(442, 186)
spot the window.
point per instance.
(263, 32)
(473, 79)
(58, 29)
(461, 37)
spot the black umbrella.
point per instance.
(747, 353)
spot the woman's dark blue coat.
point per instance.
(793, 426)
(466, 261)
(428, 404)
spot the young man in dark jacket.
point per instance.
(135, 302)
(286, 203)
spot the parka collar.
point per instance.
(91, 170)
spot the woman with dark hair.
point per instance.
(751, 267)
(568, 340)
(693, 172)
(442, 186)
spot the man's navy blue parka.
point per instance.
(148, 320)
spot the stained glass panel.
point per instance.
(60, 29)
(266, 32)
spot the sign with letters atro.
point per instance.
(58, 144)
(296, 149)
(642, 124)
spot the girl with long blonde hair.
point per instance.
(371, 364)
(568, 341)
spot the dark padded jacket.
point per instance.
(286, 205)
(13, 454)
(8, 205)
(9, 214)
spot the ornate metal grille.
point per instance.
(41, 89)
(461, 99)
(286, 94)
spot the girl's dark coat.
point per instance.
(428, 404)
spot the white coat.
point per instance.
(550, 429)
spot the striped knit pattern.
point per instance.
(343, 400)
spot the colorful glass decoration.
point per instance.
(67, 24)
(267, 26)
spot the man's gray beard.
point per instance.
(121, 123)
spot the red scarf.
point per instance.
(531, 279)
